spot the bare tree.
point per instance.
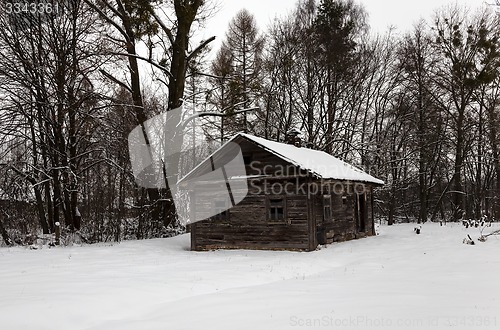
(47, 65)
(141, 19)
(338, 28)
(468, 51)
(417, 61)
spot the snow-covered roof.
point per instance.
(317, 162)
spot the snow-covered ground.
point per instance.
(397, 280)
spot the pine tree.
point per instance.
(245, 45)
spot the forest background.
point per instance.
(419, 110)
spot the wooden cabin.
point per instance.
(296, 199)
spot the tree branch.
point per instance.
(165, 29)
(110, 77)
(162, 68)
(108, 19)
(200, 47)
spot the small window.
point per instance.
(221, 210)
(276, 209)
(327, 207)
(344, 200)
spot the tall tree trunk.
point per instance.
(494, 138)
(330, 112)
(478, 199)
(5, 235)
(310, 104)
(422, 166)
(140, 113)
(38, 194)
(458, 193)
(186, 14)
(497, 190)
(41, 210)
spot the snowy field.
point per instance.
(397, 280)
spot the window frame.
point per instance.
(269, 201)
(327, 204)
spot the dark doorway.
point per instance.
(361, 212)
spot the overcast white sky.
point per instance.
(382, 13)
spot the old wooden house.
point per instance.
(296, 198)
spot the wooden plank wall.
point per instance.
(248, 226)
(343, 226)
